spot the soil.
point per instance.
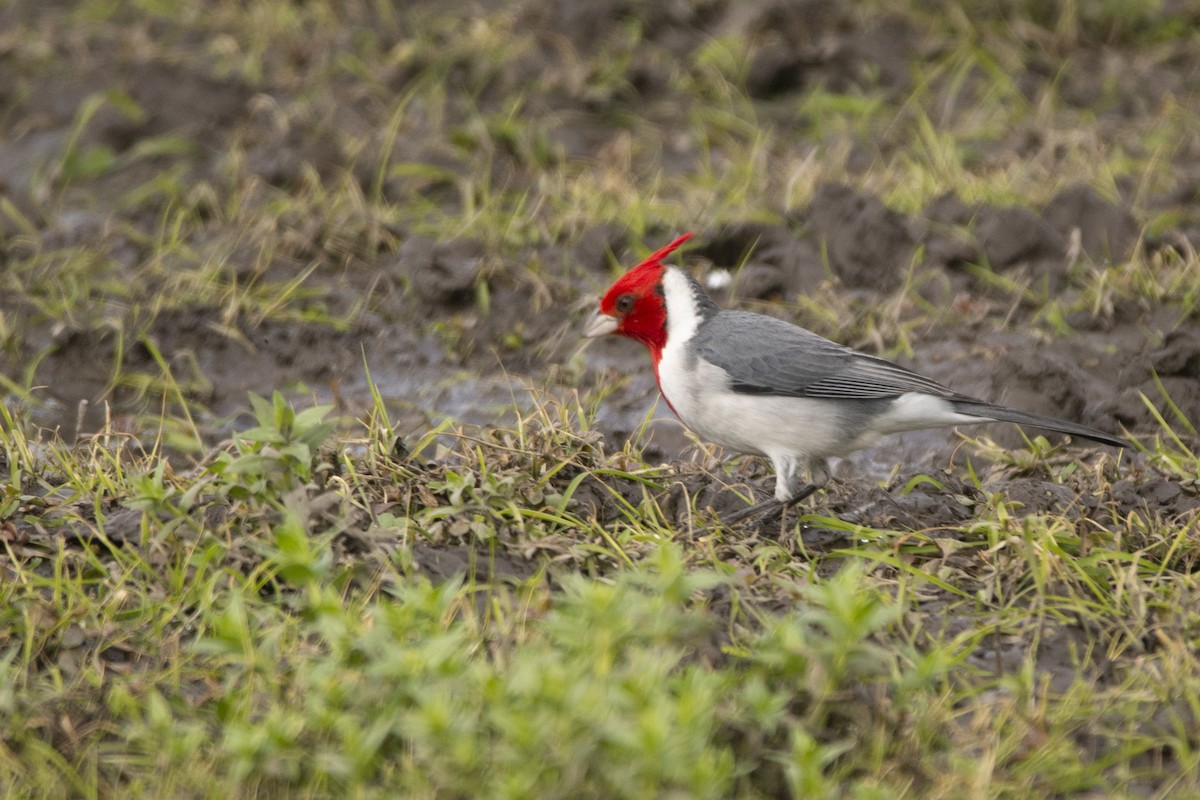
(434, 351)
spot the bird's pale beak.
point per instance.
(599, 325)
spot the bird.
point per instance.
(758, 385)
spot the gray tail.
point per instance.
(1002, 414)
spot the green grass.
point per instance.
(265, 624)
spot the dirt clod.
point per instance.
(442, 273)
(868, 244)
(1107, 231)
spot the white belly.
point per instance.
(748, 423)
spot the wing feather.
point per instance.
(763, 355)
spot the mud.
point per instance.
(867, 244)
(436, 346)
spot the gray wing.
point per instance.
(764, 355)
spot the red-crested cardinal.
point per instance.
(755, 384)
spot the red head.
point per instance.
(634, 306)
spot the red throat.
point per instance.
(638, 302)
(646, 318)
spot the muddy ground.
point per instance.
(408, 301)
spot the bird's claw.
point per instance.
(770, 508)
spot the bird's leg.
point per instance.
(771, 507)
(803, 494)
(786, 475)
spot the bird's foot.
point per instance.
(770, 507)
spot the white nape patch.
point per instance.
(682, 319)
(718, 279)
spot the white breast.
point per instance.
(749, 423)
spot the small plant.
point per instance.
(278, 455)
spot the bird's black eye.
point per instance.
(625, 303)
